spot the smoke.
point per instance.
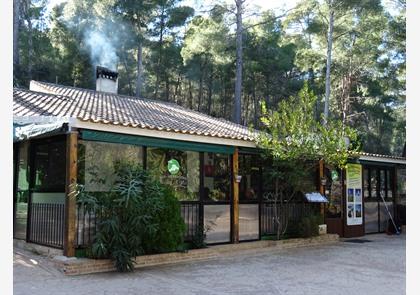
(101, 49)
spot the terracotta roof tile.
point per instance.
(94, 106)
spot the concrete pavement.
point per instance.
(344, 268)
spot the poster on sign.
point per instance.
(354, 194)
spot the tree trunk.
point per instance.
(256, 106)
(329, 54)
(190, 96)
(30, 45)
(210, 93)
(16, 21)
(238, 81)
(139, 83)
(159, 61)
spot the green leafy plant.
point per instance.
(294, 142)
(199, 238)
(138, 216)
(308, 226)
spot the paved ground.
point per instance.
(371, 268)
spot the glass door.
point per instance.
(249, 195)
(216, 197)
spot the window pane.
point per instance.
(334, 193)
(389, 181)
(216, 177)
(97, 162)
(217, 223)
(250, 172)
(382, 183)
(50, 166)
(373, 183)
(185, 176)
(22, 193)
(366, 183)
(401, 186)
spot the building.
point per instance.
(66, 135)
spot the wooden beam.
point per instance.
(70, 204)
(235, 202)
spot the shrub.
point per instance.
(308, 226)
(139, 215)
(199, 238)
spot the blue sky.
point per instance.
(277, 5)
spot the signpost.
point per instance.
(354, 194)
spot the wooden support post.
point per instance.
(235, 227)
(321, 187)
(70, 204)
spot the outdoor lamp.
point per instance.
(238, 178)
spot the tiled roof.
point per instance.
(379, 156)
(107, 108)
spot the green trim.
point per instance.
(155, 142)
(248, 150)
(377, 163)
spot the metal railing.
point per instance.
(294, 213)
(47, 224)
(86, 223)
(191, 214)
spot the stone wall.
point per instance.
(78, 266)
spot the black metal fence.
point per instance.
(86, 223)
(47, 224)
(292, 212)
(191, 214)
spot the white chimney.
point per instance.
(106, 80)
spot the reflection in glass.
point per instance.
(373, 183)
(217, 223)
(382, 183)
(50, 164)
(389, 181)
(250, 172)
(22, 193)
(334, 193)
(366, 183)
(97, 162)
(186, 181)
(248, 222)
(216, 177)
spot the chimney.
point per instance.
(106, 80)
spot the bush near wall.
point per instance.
(138, 216)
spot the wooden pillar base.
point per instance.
(70, 203)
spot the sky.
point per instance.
(277, 5)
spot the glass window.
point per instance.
(334, 192)
(50, 166)
(401, 186)
(366, 183)
(97, 162)
(373, 183)
(389, 183)
(178, 169)
(250, 171)
(382, 184)
(217, 177)
(217, 223)
(22, 192)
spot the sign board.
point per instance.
(354, 194)
(315, 197)
(173, 166)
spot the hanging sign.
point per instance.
(173, 166)
(354, 194)
(334, 175)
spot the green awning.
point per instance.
(155, 142)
